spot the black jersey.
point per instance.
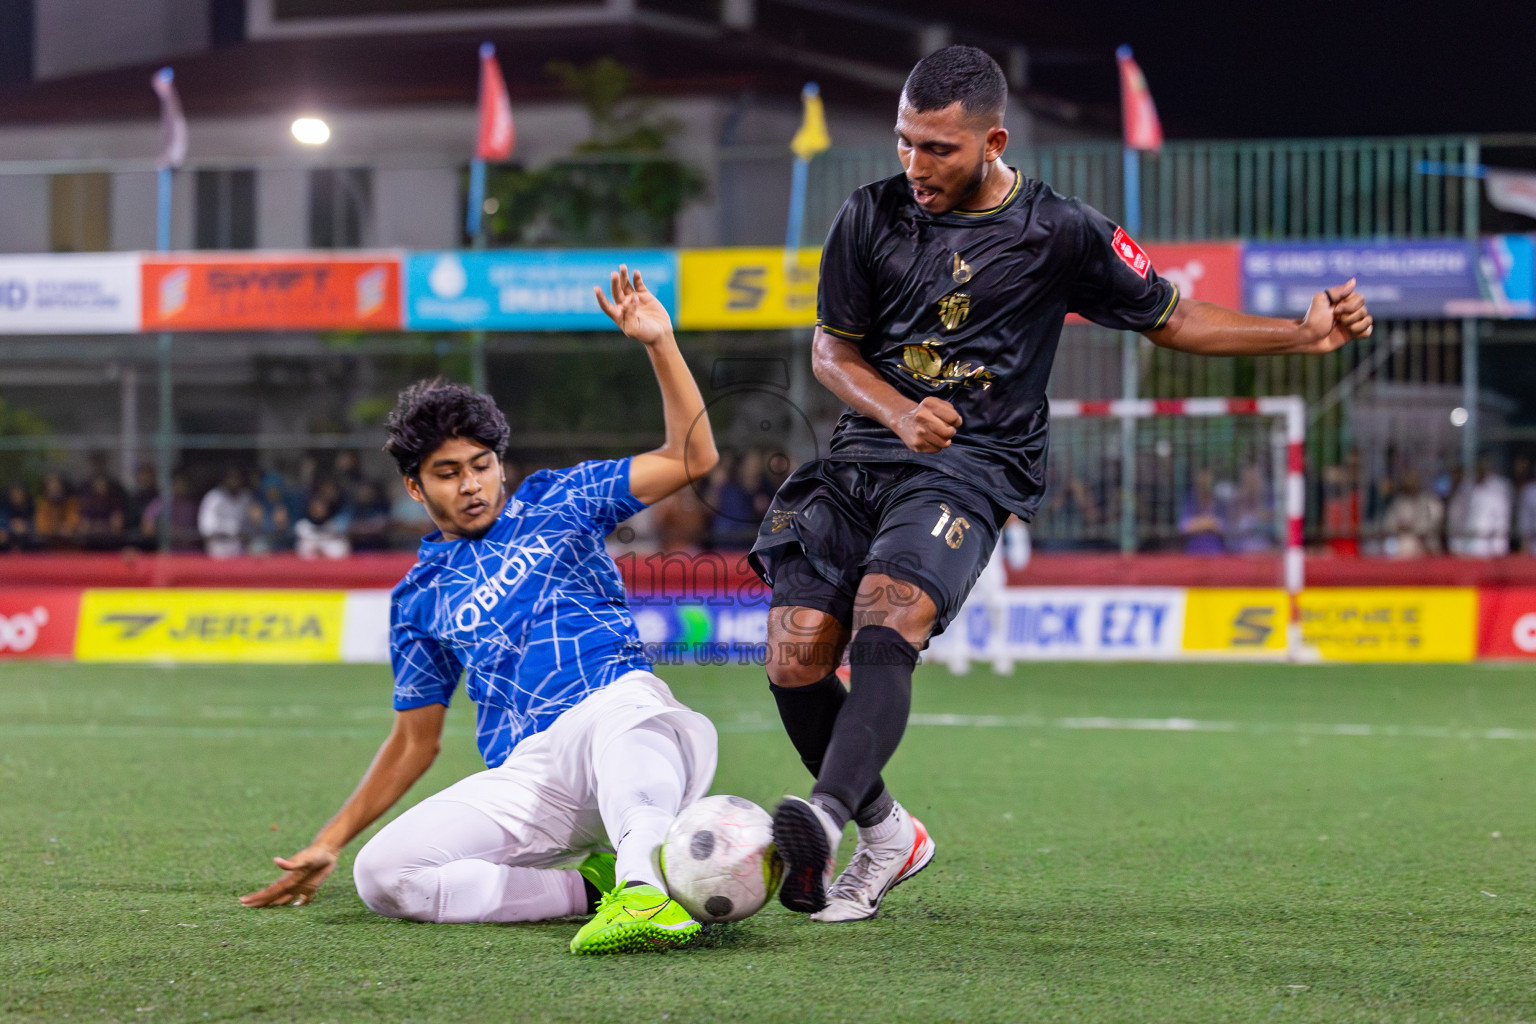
(968, 306)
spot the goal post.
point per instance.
(1277, 448)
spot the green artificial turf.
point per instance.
(1116, 843)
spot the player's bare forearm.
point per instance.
(926, 426)
(403, 758)
(689, 451)
(1336, 316)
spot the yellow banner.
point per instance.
(1234, 621)
(734, 289)
(1340, 623)
(1391, 623)
(256, 626)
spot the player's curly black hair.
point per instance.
(958, 74)
(431, 412)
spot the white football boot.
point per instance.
(876, 869)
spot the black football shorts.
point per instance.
(832, 522)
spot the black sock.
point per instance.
(809, 714)
(593, 894)
(870, 725)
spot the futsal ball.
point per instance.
(719, 860)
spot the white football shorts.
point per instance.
(545, 793)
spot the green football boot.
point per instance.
(635, 919)
(598, 870)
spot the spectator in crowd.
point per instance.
(223, 513)
(1251, 517)
(56, 514)
(732, 495)
(682, 521)
(1458, 510)
(268, 525)
(1525, 515)
(322, 533)
(1414, 520)
(16, 512)
(1341, 511)
(1203, 520)
(1488, 513)
(368, 525)
(103, 508)
(139, 498)
(185, 535)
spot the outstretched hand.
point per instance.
(302, 875)
(1337, 315)
(638, 313)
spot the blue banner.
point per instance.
(1398, 279)
(525, 290)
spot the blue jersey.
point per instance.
(534, 610)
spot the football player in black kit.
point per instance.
(941, 302)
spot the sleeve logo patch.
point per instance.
(1131, 253)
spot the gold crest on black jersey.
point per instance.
(953, 309)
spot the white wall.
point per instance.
(282, 208)
(74, 36)
(23, 213)
(416, 209)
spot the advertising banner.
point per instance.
(1506, 622)
(1398, 279)
(721, 631)
(747, 289)
(272, 292)
(1207, 271)
(1245, 623)
(256, 626)
(38, 623)
(1507, 264)
(1068, 624)
(70, 293)
(1391, 623)
(525, 290)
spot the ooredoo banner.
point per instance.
(70, 293)
(1506, 623)
(38, 623)
(272, 292)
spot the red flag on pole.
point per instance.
(497, 135)
(1142, 128)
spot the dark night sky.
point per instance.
(1289, 68)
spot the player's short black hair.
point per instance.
(431, 412)
(958, 74)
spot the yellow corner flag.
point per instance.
(812, 137)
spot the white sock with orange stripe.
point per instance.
(886, 830)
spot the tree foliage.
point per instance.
(619, 187)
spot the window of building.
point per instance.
(339, 202)
(226, 209)
(80, 212)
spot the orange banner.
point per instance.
(220, 293)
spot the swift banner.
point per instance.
(1398, 279)
(745, 289)
(69, 294)
(523, 290)
(253, 626)
(272, 292)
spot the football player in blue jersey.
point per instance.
(587, 751)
